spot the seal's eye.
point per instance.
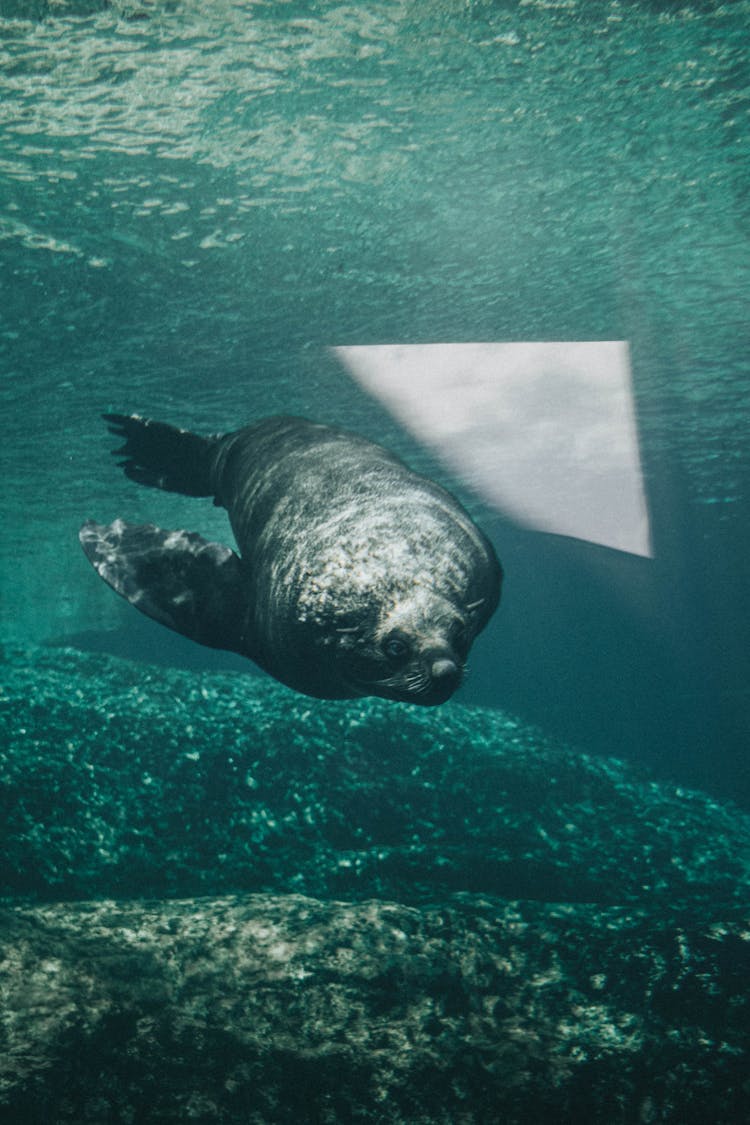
(396, 648)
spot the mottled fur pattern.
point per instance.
(356, 576)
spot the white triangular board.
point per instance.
(545, 432)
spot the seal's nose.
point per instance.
(443, 668)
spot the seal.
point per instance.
(355, 576)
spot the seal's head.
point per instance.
(415, 652)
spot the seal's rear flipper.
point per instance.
(175, 577)
(163, 456)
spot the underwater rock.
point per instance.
(529, 935)
(127, 780)
(264, 1008)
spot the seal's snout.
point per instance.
(443, 668)
(444, 674)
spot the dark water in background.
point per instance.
(197, 200)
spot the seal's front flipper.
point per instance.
(176, 577)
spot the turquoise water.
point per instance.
(198, 201)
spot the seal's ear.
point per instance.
(175, 577)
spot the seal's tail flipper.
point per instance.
(163, 456)
(175, 577)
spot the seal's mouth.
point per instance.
(426, 685)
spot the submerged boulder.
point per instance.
(286, 1009)
(357, 912)
(121, 779)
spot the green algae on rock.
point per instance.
(529, 934)
(263, 1008)
(120, 779)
